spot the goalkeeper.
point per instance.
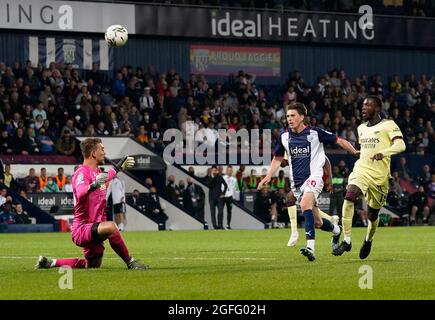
(90, 228)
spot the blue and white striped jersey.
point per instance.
(306, 153)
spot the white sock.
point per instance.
(53, 263)
(336, 230)
(310, 244)
(347, 239)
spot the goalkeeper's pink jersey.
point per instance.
(89, 207)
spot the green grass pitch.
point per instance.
(226, 265)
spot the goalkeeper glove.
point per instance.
(125, 163)
(99, 181)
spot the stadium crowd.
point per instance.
(43, 109)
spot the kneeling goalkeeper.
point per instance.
(90, 228)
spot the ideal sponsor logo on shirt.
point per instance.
(300, 151)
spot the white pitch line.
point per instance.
(214, 258)
(162, 258)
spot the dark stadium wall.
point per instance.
(311, 60)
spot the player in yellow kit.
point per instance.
(379, 140)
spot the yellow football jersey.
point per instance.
(373, 140)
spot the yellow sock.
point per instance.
(348, 211)
(324, 215)
(371, 229)
(293, 218)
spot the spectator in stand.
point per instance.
(146, 101)
(290, 96)
(23, 194)
(68, 186)
(21, 216)
(40, 111)
(45, 143)
(344, 170)
(148, 183)
(194, 199)
(137, 199)
(253, 180)
(3, 194)
(66, 145)
(142, 136)
(180, 188)
(7, 216)
(34, 149)
(241, 182)
(395, 85)
(20, 143)
(431, 187)
(280, 182)
(106, 98)
(8, 178)
(208, 177)
(155, 139)
(6, 143)
(60, 179)
(31, 182)
(265, 206)
(419, 204)
(154, 208)
(70, 126)
(171, 191)
(119, 87)
(191, 170)
(403, 170)
(426, 176)
(42, 179)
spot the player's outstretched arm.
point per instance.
(125, 163)
(275, 165)
(398, 146)
(347, 146)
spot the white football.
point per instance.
(116, 35)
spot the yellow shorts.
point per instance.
(374, 193)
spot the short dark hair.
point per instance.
(299, 107)
(376, 100)
(88, 145)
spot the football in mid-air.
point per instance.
(116, 35)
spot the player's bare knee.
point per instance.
(373, 214)
(351, 196)
(107, 228)
(113, 228)
(318, 223)
(352, 193)
(291, 200)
